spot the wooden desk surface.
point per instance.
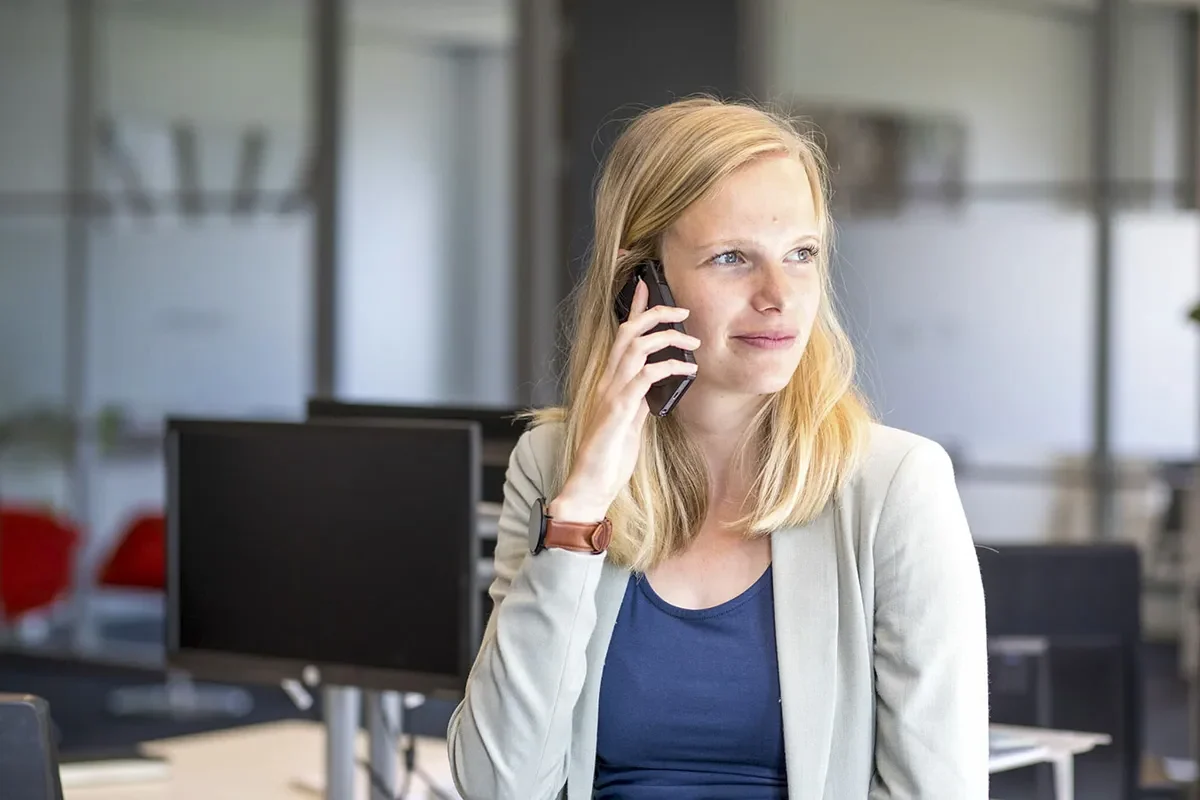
(275, 761)
(1073, 742)
(285, 761)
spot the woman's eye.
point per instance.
(806, 255)
(729, 258)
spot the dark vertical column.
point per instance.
(1103, 199)
(539, 265)
(81, 68)
(753, 48)
(1189, 97)
(626, 55)
(328, 58)
(1105, 54)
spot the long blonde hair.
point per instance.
(807, 439)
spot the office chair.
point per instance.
(28, 753)
(37, 551)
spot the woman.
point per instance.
(790, 603)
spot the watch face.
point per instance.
(537, 523)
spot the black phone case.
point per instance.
(664, 395)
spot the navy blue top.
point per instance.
(689, 701)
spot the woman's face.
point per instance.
(744, 260)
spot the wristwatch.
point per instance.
(580, 537)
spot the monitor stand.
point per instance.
(344, 778)
(341, 708)
(385, 715)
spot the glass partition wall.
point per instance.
(221, 209)
(156, 215)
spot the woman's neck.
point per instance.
(719, 426)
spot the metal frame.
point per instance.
(327, 24)
(80, 114)
(1105, 53)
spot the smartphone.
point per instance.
(664, 395)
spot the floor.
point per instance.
(78, 695)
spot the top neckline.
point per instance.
(755, 588)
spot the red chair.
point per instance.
(140, 558)
(37, 551)
(139, 562)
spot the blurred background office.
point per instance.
(224, 208)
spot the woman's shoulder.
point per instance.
(539, 449)
(892, 453)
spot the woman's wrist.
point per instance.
(572, 506)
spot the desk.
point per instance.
(284, 761)
(1045, 746)
(275, 761)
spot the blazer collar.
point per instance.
(805, 582)
(609, 594)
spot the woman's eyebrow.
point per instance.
(750, 244)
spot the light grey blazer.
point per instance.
(879, 625)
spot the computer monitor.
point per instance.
(338, 551)
(500, 428)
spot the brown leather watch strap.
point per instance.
(580, 537)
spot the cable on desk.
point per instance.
(410, 769)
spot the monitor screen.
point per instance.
(495, 422)
(500, 428)
(344, 546)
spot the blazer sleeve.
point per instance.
(931, 737)
(509, 737)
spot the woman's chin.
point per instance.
(748, 385)
(768, 381)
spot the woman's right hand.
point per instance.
(608, 448)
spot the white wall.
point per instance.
(495, 213)
(1019, 77)
(33, 138)
(32, 158)
(32, 315)
(395, 234)
(200, 319)
(1156, 349)
(976, 330)
(1152, 96)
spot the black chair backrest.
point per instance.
(1063, 590)
(28, 753)
(1085, 602)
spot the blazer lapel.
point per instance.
(609, 594)
(806, 630)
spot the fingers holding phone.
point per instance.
(650, 336)
(661, 357)
(665, 392)
(651, 350)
